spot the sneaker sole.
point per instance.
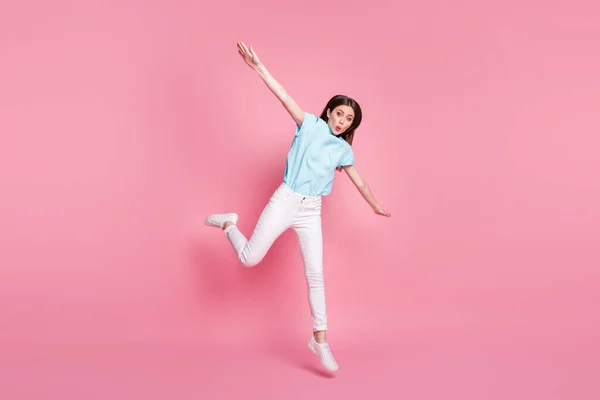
(234, 218)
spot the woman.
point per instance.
(320, 146)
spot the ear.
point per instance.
(328, 113)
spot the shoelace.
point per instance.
(327, 352)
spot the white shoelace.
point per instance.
(327, 352)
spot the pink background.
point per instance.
(123, 124)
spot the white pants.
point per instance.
(288, 209)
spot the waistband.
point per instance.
(286, 188)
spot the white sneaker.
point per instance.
(218, 220)
(323, 351)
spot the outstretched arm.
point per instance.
(364, 190)
(250, 57)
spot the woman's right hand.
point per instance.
(249, 55)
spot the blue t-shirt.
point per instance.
(313, 157)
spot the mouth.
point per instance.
(338, 128)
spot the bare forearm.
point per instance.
(364, 190)
(366, 193)
(271, 83)
(251, 58)
(286, 100)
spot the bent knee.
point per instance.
(250, 260)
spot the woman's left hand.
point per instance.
(381, 211)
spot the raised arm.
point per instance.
(250, 57)
(364, 190)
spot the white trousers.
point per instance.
(288, 209)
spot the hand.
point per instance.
(248, 54)
(381, 211)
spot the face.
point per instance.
(340, 119)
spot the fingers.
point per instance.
(241, 48)
(383, 213)
(245, 51)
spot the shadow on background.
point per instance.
(269, 300)
(269, 297)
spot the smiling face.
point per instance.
(340, 119)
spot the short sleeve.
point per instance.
(347, 156)
(308, 124)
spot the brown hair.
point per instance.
(341, 100)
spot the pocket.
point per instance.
(279, 194)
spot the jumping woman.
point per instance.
(319, 147)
